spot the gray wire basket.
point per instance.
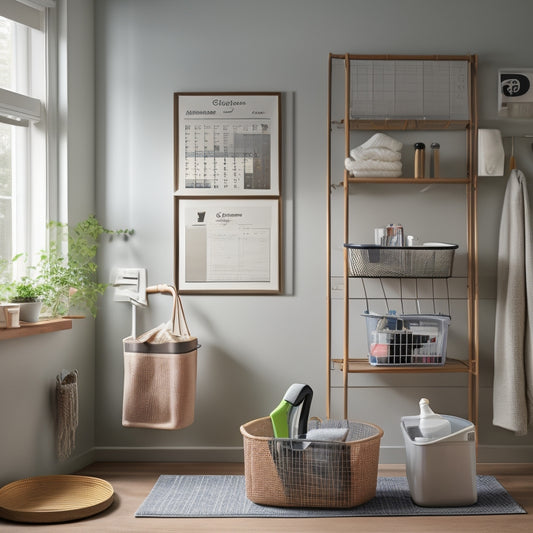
(434, 260)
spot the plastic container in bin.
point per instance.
(310, 473)
(416, 340)
(441, 472)
(431, 260)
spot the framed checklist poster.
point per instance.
(228, 245)
(227, 144)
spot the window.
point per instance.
(23, 126)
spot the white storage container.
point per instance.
(407, 340)
(441, 472)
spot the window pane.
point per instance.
(6, 53)
(23, 160)
(6, 250)
(6, 187)
(6, 162)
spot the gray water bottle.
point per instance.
(434, 161)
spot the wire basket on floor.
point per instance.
(310, 473)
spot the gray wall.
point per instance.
(254, 347)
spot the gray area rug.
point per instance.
(224, 496)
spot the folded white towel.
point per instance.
(382, 154)
(372, 164)
(376, 173)
(380, 140)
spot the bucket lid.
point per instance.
(460, 427)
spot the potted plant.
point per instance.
(65, 275)
(27, 293)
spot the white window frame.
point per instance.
(30, 116)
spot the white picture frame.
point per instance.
(228, 245)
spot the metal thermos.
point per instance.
(420, 159)
(434, 161)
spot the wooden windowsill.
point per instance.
(36, 328)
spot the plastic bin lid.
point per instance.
(412, 316)
(460, 426)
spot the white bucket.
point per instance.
(441, 472)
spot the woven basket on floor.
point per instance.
(48, 499)
(305, 473)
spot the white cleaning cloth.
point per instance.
(380, 140)
(376, 173)
(381, 154)
(372, 164)
(491, 157)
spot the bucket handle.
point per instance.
(178, 319)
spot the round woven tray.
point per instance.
(48, 499)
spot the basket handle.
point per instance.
(179, 323)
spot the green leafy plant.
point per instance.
(67, 271)
(17, 291)
(26, 290)
(65, 276)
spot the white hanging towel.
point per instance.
(513, 334)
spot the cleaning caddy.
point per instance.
(334, 463)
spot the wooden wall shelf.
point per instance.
(363, 366)
(37, 328)
(448, 181)
(404, 125)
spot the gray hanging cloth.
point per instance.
(513, 332)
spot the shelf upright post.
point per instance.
(346, 347)
(328, 246)
(473, 377)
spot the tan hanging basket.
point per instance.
(160, 372)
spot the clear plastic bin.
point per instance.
(441, 472)
(415, 340)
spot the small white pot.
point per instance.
(30, 311)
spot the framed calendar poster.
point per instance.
(227, 144)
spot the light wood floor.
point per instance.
(133, 481)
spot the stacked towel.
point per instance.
(380, 156)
